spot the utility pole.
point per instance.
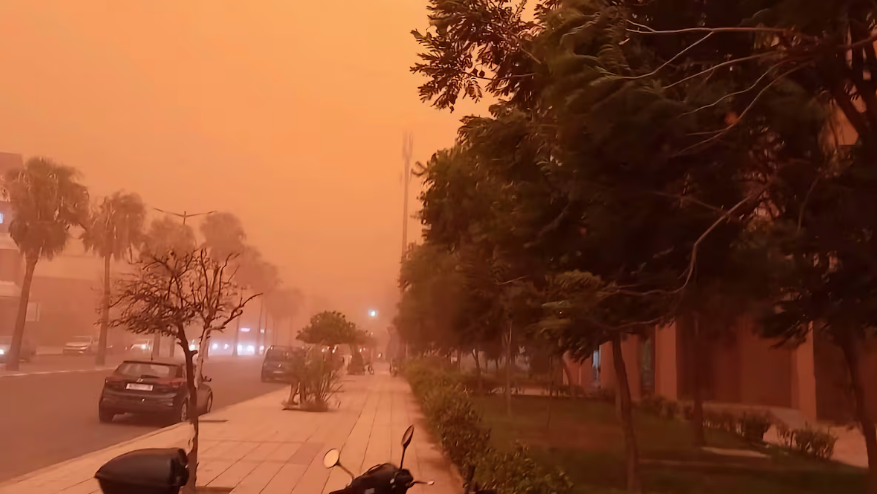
(156, 344)
(184, 214)
(407, 151)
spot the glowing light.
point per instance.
(215, 346)
(372, 313)
(245, 330)
(240, 349)
(225, 347)
(251, 349)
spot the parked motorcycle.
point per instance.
(387, 478)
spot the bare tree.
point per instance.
(176, 291)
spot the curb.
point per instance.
(40, 471)
(22, 478)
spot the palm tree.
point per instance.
(113, 230)
(224, 235)
(166, 235)
(46, 201)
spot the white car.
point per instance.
(81, 345)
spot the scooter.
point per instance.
(387, 478)
(379, 479)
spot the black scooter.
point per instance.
(387, 478)
(379, 479)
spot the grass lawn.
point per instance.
(583, 439)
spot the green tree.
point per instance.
(330, 329)
(171, 294)
(47, 200)
(114, 228)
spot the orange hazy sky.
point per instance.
(288, 113)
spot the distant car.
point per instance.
(81, 345)
(278, 363)
(28, 351)
(140, 345)
(151, 388)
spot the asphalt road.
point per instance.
(51, 416)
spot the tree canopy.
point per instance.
(331, 328)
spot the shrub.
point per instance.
(484, 385)
(671, 410)
(464, 438)
(319, 381)
(653, 404)
(603, 394)
(753, 426)
(811, 442)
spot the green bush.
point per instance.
(487, 385)
(653, 404)
(808, 441)
(670, 410)
(753, 426)
(466, 441)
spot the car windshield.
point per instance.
(145, 369)
(81, 339)
(278, 354)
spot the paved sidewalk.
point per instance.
(256, 447)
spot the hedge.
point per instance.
(464, 438)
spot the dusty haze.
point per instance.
(279, 111)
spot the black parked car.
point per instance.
(279, 363)
(151, 388)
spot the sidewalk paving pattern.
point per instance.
(255, 447)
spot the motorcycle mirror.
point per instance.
(333, 456)
(406, 438)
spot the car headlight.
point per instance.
(2, 351)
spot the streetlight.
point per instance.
(373, 313)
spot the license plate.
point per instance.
(139, 387)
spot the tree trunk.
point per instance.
(697, 378)
(508, 372)
(101, 358)
(191, 382)
(478, 370)
(237, 333)
(459, 360)
(622, 394)
(14, 357)
(550, 391)
(573, 389)
(156, 346)
(849, 346)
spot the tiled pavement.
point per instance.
(256, 447)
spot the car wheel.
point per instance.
(183, 412)
(208, 406)
(105, 416)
